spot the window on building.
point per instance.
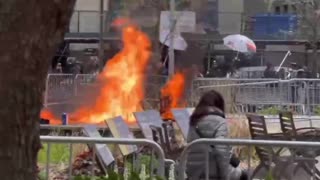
(294, 9)
(285, 9)
(277, 10)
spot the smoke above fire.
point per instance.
(121, 83)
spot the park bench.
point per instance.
(271, 158)
(292, 133)
(289, 129)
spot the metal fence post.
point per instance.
(101, 34)
(280, 92)
(126, 141)
(207, 163)
(48, 160)
(76, 85)
(78, 23)
(308, 103)
(171, 61)
(93, 159)
(151, 163)
(249, 161)
(70, 160)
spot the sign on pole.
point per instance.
(185, 21)
(175, 22)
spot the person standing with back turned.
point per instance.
(208, 121)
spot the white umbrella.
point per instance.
(178, 42)
(239, 43)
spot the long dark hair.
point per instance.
(211, 102)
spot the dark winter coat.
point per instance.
(209, 125)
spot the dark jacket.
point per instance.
(209, 125)
(270, 73)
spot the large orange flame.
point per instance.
(172, 95)
(121, 89)
(122, 81)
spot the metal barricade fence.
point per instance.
(210, 82)
(59, 88)
(152, 88)
(62, 88)
(218, 81)
(291, 145)
(241, 95)
(313, 95)
(300, 95)
(86, 140)
(82, 82)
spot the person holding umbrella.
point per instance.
(240, 43)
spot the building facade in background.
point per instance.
(212, 16)
(223, 15)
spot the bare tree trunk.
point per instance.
(29, 34)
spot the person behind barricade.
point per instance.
(208, 121)
(293, 72)
(196, 71)
(270, 71)
(302, 73)
(161, 69)
(58, 69)
(282, 74)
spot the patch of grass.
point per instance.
(116, 176)
(59, 153)
(142, 159)
(269, 176)
(273, 110)
(316, 110)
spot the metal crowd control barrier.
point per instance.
(241, 95)
(181, 168)
(82, 81)
(152, 85)
(301, 95)
(86, 140)
(63, 88)
(202, 83)
(59, 88)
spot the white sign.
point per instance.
(185, 21)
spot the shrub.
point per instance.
(316, 110)
(273, 110)
(113, 175)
